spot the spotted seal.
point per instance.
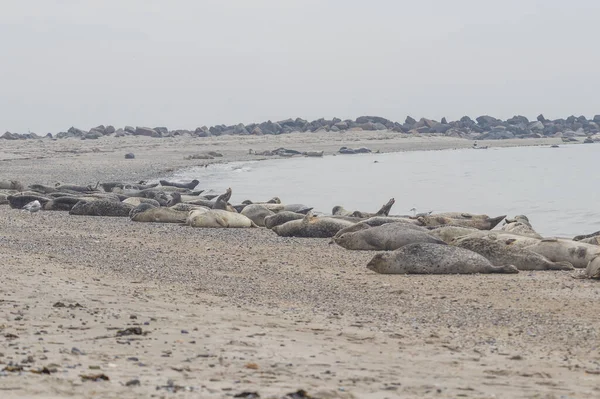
(257, 213)
(190, 185)
(159, 215)
(101, 208)
(561, 250)
(427, 258)
(218, 218)
(281, 218)
(477, 223)
(311, 226)
(387, 237)
(521, 258)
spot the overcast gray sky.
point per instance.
(187, 63)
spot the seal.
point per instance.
(101, 208)
(4, 199)
(480, 224)
(218, 218)
(297, 208)
(11, 185)
(426, 258)
(595, 240)
(311, 226)
(561, 250)
(190, 185)
(450, 233)
(520, 225)
(187, 207)
(583, 236)
(76, 188)
(387, 237)
(39, 188)
(135, 201)
(514, 240)
(383, 211)
(222, 200)
(143, 207)
(18, 201)
(257, 213)
(61, 203)
(459, 215)
(522, 259)
(593, 269)
(281, 218)
(378, 221)
(108, 187)
(158, 215)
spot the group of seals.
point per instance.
(451, 242)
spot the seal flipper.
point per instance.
(509, 269)
(561, 266)
(495, 221)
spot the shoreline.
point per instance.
(35, 161)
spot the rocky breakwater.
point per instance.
(482, 128)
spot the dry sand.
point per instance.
(224, 312)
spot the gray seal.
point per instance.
(18, 201)
(101, 208)
(383, 211)
(311, 226)
(11, 185)
(257, 213)
(159, 215)
(387, 237)
(190, 185)
(281, 218)
(477, 223)
(579, 254)
(499, 254)
(426, 258)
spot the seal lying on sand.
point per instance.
(383, 211)
(480, 224)
(76, 188)
(11, 185)
(425, 258)
(281, 218)
(459, 215)
(514, 240)
(311, 226)
(101, 208)
(560, 250)
(387, 237)
(592, 270)
(257, 213)
(595, 240)
(108, 187)
(377, 221)
(191, 185)
(583, 236)
(450, 233)
(222, 200)
(520, 225)
(18, 201)
(218, 218)
(159, 215)
(135, 201)
(499, 254)
(61, 203)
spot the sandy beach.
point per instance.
(104, 307)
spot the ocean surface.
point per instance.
(557, 188)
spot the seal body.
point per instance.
(11, 185)
(190, 185)
(450, 233)
(160, 215)
(257, 213)
(426, 258)
(135, 201)
(218, 218)
(387, 237)
(514, 240)
(476, 223)
(521, 258)
(101, 208)
(560, 250)
(312, 227)
(282, 217)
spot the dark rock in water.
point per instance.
(537, 126)
(109, 129)
(129, 155)
(410, 121)
(444, 121)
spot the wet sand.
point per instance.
(223, 312)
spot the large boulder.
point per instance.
(536, 126)
(146, 131)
